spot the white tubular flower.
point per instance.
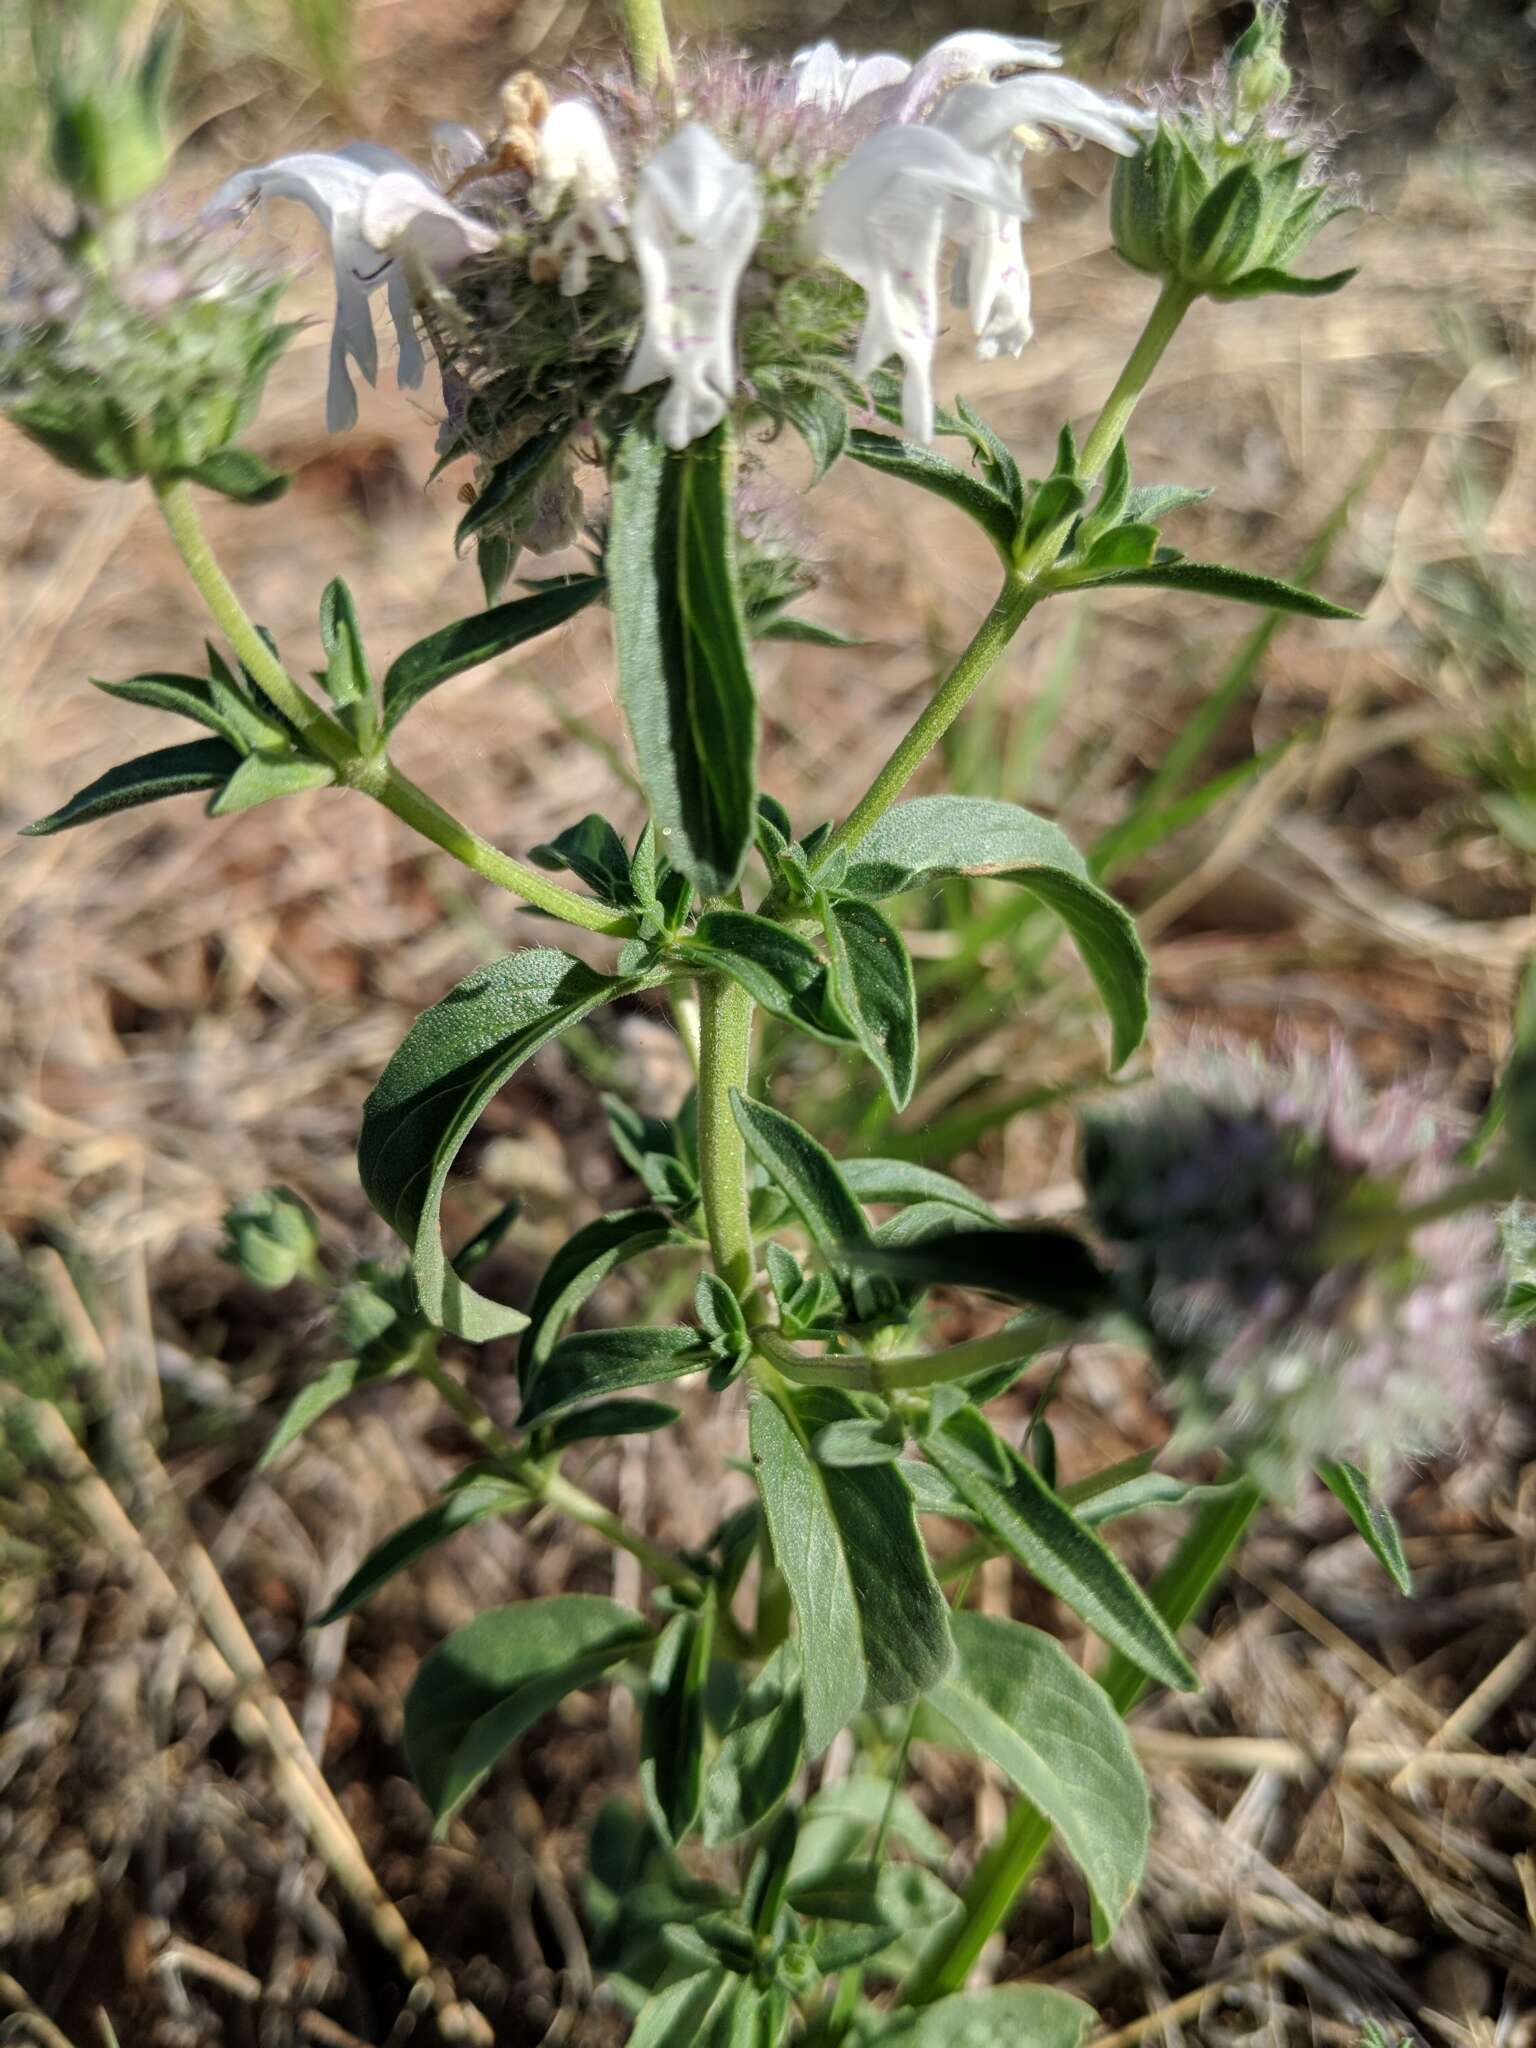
(822, 76)
(376, 237)
(881, 220)
(1002, 122)
(968, 59)
(576, 162)
(696, 216)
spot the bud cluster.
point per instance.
(1234, 184)
(140, 354)
(1255, 1219)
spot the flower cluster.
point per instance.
(738, 226)
(1259, 1224)
(1236, 181)
(142, 354)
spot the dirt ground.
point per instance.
(193, 1010)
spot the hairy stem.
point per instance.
(552, 1488)
(1177, 1593)
(645, 31)
(330, 740)
(1012, 608)
(725, 1053)
(1023, 591)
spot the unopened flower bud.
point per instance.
(107, 125)
(1261, 78)
(272, 1238)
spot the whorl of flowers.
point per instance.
(145, 359)
(740, 227)
(1251, 1212)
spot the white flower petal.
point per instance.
(405, 218)
(576, 162)
(823, 77)
(882, 221)
(970, 56)
(455, 150)
(696, 216)
(986, 117)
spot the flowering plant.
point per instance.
(623, 280)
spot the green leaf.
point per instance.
(858, 1440)
(512, 483)
(169, 771)
(776, 967)
(595, 853)
(1131, 546)
(611, 1418)
(1058, 498)
(1256, 284)
(873, 984)
(843, 1818)
(759, 1758)
(1372, 1517)
(460, 1508)
(1038, 1265)
(468, 642)
(451, 1062)
(347, 679)
(576, 1270)
(672, 1723)
(874, 1628)
(495, 559)
(1015, 1503)
(605, 1362)
(929, 836)
(1134, 1495)
(819, 418)
(1015, 1697)
(1148, 504)
(685, 679)
(478, 1691)
(240, 475)
(994, 454)
(806, 1172)
(930, 472)
(1011, 2016)
(701, 2011)
(804, 632)
(898, 1180)
(1225, 223)
(219, 706)
(266, 774)
(1212, 579)
(310, 1403)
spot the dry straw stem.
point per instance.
(229, 1667)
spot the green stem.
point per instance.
(1013, 607)
(725, 1053)
(1025, 586)
(383, 781)
(887, 1376)
(1177, 1593)
(645, 31)
(330, 740)
(552, 1488)
(324, 735)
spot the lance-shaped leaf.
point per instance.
(1011, 2016)
(347, 677)
(237, 473)
(779, 970)
(900, 1181)
(930, 836)
(931, 472)
(468, 642)
(872, 979)
(478, 1691)
(1015, 1697)
(874, 1627)
(807, 1174)
(451, 1062)
(579, 1266)
(672, 1723)
(1372, 1517)
(460, 1508)
(606, 1362)
(215, 701)
(594, 852)
(1013, 1501)
(685, 678)
(1038, 1264)
(512, 483)
(169, 771)
(267, 774)
(759, 1758)
(1213, 579)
